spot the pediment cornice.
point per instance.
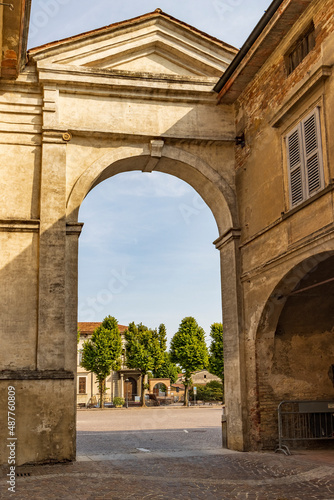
(155, 44)
(127, 84)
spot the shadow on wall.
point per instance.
(295, 349)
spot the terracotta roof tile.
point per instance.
(151, 15)
(89, 327)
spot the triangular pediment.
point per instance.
(152, 44)
(152, 62)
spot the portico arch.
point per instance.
(294, 348)
(220, 198)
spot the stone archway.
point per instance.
(52, 436)
(294, 349)
(211, 186)
(220, 198)
(95, 121)
(154, 384)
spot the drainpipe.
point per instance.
(248, 44)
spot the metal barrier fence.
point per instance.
(304, 421)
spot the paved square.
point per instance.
(146, 454)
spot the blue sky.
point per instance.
(146, 252)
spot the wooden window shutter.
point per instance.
(312, 152)
(295, 166)
(82, 385)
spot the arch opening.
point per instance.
(213, 189)
(150, 238)
(295, 350)
(160, 389)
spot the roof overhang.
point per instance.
(266, 36)
(14, 25)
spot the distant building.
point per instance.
(116, 385)
(200, 377)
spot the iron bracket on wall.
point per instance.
(240, 140)
(10, 5)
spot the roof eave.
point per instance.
(273, 26)
(14, 38)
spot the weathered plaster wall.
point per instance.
(261, 174)
(45, 431)
(274, 238)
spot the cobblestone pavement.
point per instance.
(208, 473)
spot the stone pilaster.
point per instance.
(234, 366)
(52, 252)
(122, 385)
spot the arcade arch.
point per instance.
(220, 198)
(294, 347)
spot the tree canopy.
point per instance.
(144, 350)
(168, 369)
(212, 391)
(102, 353)
(188, 349)
(216, 360)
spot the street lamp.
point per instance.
(127, 392)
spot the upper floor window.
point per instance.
(304, 156)
(80, 351)
(300, 49)
(82, 385)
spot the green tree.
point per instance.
(216, 359)
(143, 351)
(162, 336)
(188, 349)
(212, 391)
(102, 353)
(168, 369)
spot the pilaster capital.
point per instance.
(231, 235)
(56, 136)
(74, 228)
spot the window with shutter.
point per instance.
(82, 385)
(312, 152)
(305, 159)
(304, 44)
